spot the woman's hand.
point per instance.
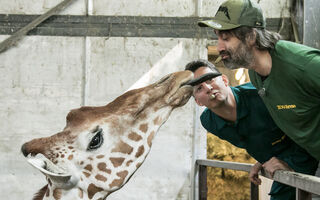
(275, 164)
(254, 173)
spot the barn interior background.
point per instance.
(93, 51)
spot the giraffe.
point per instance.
(100, 148)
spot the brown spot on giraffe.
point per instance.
(88, 167)
(101, 177)
(116, 162)
(118, 182)
(57, 194)
(134, 136)
(129, 162)
(123, 147)
(70, 157)
(143, 127)
(92, 190)
(140, 151)
(103, 167)
(150, 138)
(142, 115)
(86, 174)
(122, 174)
(100, 156)
(157, 121)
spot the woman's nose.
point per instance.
(221, 46)
(207, 86)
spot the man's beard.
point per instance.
(240, 57)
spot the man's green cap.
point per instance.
(235, 13)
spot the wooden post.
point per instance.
(302, 195)
(254, 191)
(203, 182)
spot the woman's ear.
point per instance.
(197, 101)
(225, 80)
(251, 38)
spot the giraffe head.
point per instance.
(101, 147)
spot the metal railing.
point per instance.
(305, 184)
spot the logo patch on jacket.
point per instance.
(281, 107)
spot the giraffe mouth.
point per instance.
(45, 166)
(58, 176)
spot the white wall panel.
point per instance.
(40, 82)
(167, 8)
(43, 79)
(270, 8)
(78, 7)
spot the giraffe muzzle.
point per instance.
(59, 176)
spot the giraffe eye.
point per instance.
(96, 141)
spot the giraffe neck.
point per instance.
(133, 148)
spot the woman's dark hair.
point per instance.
(265, 40)
(194, 65)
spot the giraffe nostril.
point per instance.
(24, 150)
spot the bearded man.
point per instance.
(286, 74)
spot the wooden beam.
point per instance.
(226, 165)
(212, 51)
(307, 183)
(7, 43)
(122, 26)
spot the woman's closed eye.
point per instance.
(198, 88)
(210, 81)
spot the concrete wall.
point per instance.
(42, 78)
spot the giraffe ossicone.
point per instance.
(100, 148)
